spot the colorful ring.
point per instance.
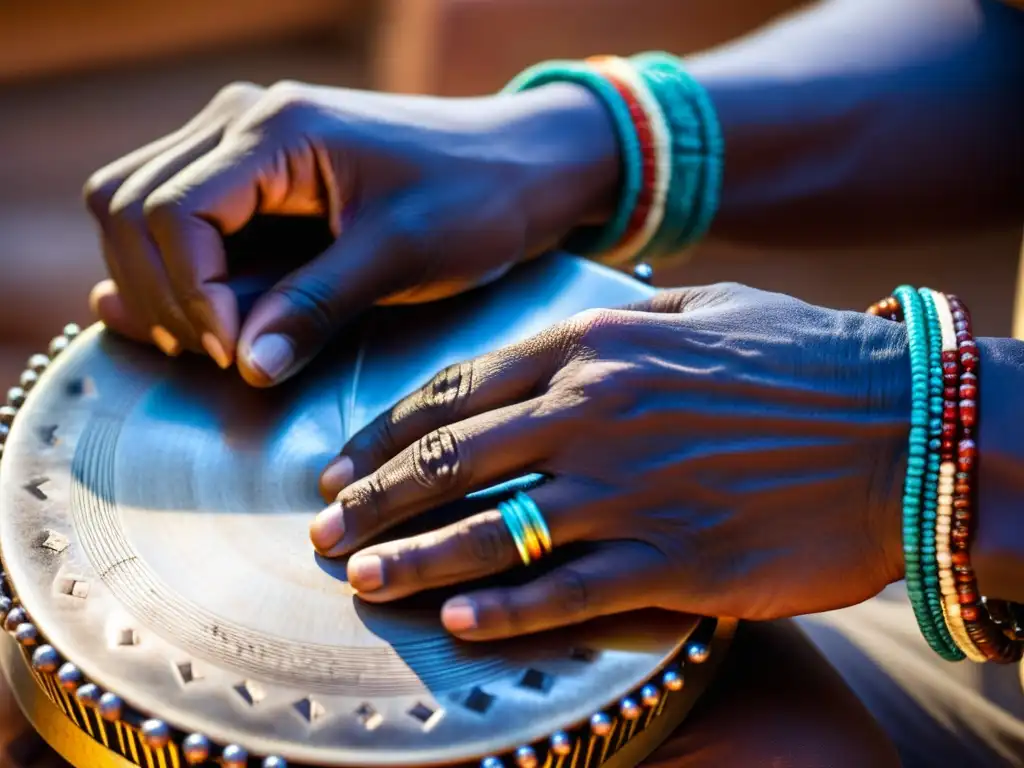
(526, 525)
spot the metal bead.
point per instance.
(156, 734)
(111, 707)
(561, 744)
(15, 618)
(5, 607)
(601, 724)
(234, 756)
(71, 331)
(650, 696)
(698, 653)
(88, 695)
(7, 415)
(672, 680)
(26, 634)
(45, 659)
(29, 380)
(37, 363)
(526, 757)
(643, 272)
(275, 762)
(491, 762)
(15, 397)
(57, 345)
(69, 676)
(196, 749)
(629, 709)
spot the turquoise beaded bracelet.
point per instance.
(594, 240)
(932, 626)
(698, 150)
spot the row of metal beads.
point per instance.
(561, 744)
(196, 748)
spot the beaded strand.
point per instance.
(940, 487)
(930, 489)
(947, 471)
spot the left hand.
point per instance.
(725, 451)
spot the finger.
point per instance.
(293, 321)
(108, 305)
(614, 578)
(139, 262)
(442, 466)
(101, 188)
(458, 392)
(248, 173)
(474, 548)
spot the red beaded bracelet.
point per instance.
(995, 640)
(645, 137)
(965, 362)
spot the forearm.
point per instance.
(998, 549)
(864, 120)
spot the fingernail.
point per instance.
(459, 615)
(272, 355)
(366, 573)
(327, 529)
(215, 350)
(169, 345)
(339, 473)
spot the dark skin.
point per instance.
(742, 451)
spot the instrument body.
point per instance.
(166, 601)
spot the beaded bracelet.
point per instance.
(671, 146)
(595, 240)
(938, 506)
(947, 471)
(653, 136)
(929, 563)
(697, 152)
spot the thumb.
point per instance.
(298, 316)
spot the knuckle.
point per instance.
(448, 391)
(283, 104)
(437, 464)
(98, 192)
(236, 97)
(313, 300)
(509, 613)
(162, 211)
(608, 389)
(569, 592)
(126, 206)
(412, 228)
(592, 327)
(362, 502)
(483, 542)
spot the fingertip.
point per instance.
(268, 360)
(108, 307)
(338, 474)
(215, 317)
(327, 530)
(459, 616)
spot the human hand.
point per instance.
(720, 451)
(425, 197)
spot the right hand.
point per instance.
(424, 198)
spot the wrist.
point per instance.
(889, 378)
(568, 164)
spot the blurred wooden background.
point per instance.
(82, 83)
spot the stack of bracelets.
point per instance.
(939, 496)
(671, 149)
